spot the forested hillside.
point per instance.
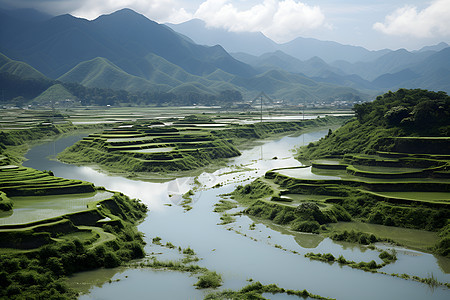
(403, 113)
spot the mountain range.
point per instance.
(127, 51)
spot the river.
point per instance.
(238, 251)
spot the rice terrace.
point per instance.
(195, 160)
(372, 211)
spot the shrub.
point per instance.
(328, 257)
(209, 279)
(443, 247)
(54, 264)
(341, 260)
(111, 260)
(306, 226)
(388, 257)
(188, 251)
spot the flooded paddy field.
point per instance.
(16, 118)
(242, 251)
(30, 209)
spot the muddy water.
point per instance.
(238, 251)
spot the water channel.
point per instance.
(238, 251)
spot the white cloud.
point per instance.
(158, 10)
(279, 20)
(408, 21)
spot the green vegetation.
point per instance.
(39, 271)
(209, 279)
(79, 228)
(347, 200)
(188, 251)
(256, 290)
(5, 202)
(21, 181)
(371, 266)
(185, 145)
(224, 205)
(19, 69)
(373, 169)
(101, 82)
(226, 219)
(388, 257)
(206, 278)
(172, 265)
(56, 91)
(400, 114)
(120, 149)
(357, 237)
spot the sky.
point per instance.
(373, 24)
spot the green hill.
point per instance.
(100, 72)
(296, 88)
(55, 93)
(19, 69)
(164, 76)
(20, 82)
(405, 113)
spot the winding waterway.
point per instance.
(238, 251)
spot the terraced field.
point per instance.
(148, 149)
(38, 208)
(31, 209)
(22, 181)
(410, 190)
(183, 144)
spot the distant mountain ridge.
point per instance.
(256, 43)
(125, 50)
(169, 78)
(125, 37)
(329, 62)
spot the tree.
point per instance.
(395, 115)
(230, 96)
(362, 110)
(19, 101)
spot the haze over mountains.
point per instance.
(126, 51)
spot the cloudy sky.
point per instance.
(374, 24)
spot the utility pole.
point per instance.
(261, 98)
(304, 111)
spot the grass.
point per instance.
(226, 219)
(256, 290)
(206, 279)
(23, 181)
(188, 251)
(224, 205)
(209, 279)
(412, 238)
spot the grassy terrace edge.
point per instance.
(183, 146)
(36, 257)
(352, 166)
